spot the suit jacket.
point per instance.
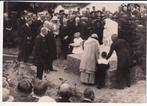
(41, 51)
(26, 35)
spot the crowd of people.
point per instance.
(50, 36)
(28, 91)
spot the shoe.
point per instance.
(119, 87)
(53, 70)
(99, 87)
(46, 71)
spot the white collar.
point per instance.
(42, 35)
(88, 99)
(27, 24)
(103, 61)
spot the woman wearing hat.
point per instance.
(89, 60)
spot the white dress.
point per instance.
(77, 49)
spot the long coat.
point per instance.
(90, 55)
(123, 62)
(51, 46)
(44, 49)
(26, 43)
(41, 51)
(26, 35)
(123, 53)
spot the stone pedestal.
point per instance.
(74, 63)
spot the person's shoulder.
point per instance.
(38, 37)
(23, 26)
(26, 99)
(122, 41)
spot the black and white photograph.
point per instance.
(74, 52)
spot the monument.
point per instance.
(111, 27)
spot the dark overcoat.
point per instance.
(41, 51)
(122, 49)
(124, 62)
(26, 43)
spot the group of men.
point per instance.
(47, 37)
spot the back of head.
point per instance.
(65, 91)
(44, 30)
(104, 54)
(25, 86)
(95, 36)
(40, 87)
(89, 94)
(114, 37)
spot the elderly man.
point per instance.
(51, 44)
(41, 52)
(121, 47)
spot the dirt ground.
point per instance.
(135, 94)
(14, 72)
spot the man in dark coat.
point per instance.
(8, 32)
(84, 28)
(52, 50)
(44, 51)
(121, 47)
(100, 23)
(41, 52)
(64, 33)
(26, 41)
